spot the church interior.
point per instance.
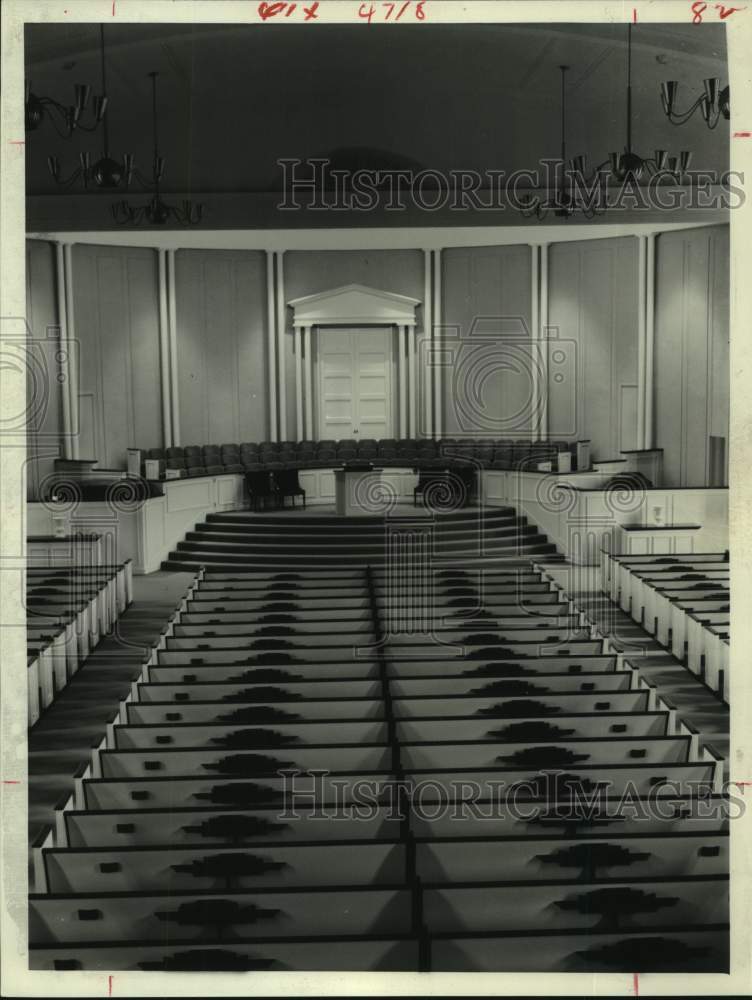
(365, 526)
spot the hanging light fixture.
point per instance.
(65, 119)
(156, 211)
(566, 199)
(714, 102)
(105, 172)
(629, 165)
(576, 188)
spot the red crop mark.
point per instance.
(742, 785)
(636, 983)
(634, 15)
(11, 782)
(17, 142)
(743, 135)
(109, 986)
(113, 8)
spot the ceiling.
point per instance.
(234, 99)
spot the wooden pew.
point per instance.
(552, 753)
(68, 610)
(371, 953)
(175, 869)
(206, 789)
(135, 762)
(189, 917)
(599, 725)
(581, 779)
(667, 951)
(661, 600)
(217, 827)
(640, 585)
(618, 906)
(681, 612)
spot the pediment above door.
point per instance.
(354, 305)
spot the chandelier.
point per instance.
(713, 103)
(629, 165)
(65, 119)
(577, 189)
(156, 211)
(105, 172)
(566, 199)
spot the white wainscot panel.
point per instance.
(309, 481)
(153, 532)
(230, 492)
(318, 485)
(656, 541)
(495, 487)
(327, 486)
(189, 494)
(187, 502)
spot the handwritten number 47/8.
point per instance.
(392, 11)
(699, 8)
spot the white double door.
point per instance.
(355, 379)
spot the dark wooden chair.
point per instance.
(287, 484)
(429, 477)
(260, 487)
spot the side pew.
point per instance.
(683, 601)
(69, 608)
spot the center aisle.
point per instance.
(381, 768)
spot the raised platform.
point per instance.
(307, 539)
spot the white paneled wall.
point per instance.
(221, 346)
(590, 297)
(593, 343)
(116, 310)
(691, 350)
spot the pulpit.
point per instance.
(358, 490)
